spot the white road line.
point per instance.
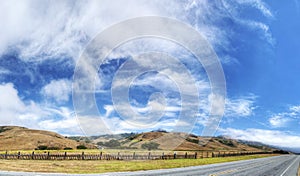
(289, 166)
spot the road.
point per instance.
(286, 165)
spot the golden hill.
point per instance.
(21, 138)
(180, 141)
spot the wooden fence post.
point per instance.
(174, 155)
(163, 155)
(195, 155)
(5, 156)
(65, 156)
(19, 155)
(82, 156)
(118, 157)
(133, 156)
(185, 156)
(149, 155)
(100, 155)
(48, 155)
(32, 155)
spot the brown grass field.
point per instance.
(75, 166)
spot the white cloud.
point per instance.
(295, 109)
(66, 123)
(4, 71)
(243, 106)
(93, 125)
(59, 90)
(240, 107)
(258, 4)
(234, 10)
(283, 119)
(278, 121)
(15, 111)
(10, 103)
(217, 104)
(270, 137)
(51, 29)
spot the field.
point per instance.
(75, 166)
(119, 154)
(93, 151)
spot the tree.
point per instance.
(150, 145)
(100, 143)
(42, 147)
(81, 147)
(112, 144)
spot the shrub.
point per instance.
(280, 152)
(196, 141)
(42, 147)
(150, 145)
(2, 129)
(112, 144)
(53, 148)
(81, 147)
(68, 148)
(133, 136)
(100, 143)
(226, 142)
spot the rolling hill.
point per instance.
(21, 138)
(176, 141)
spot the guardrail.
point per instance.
(119, 156)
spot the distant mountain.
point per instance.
(175, 141)
(21, 138)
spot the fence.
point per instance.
(133, 156)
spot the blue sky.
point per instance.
(256, 41)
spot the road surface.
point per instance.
(286, 165)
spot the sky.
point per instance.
(44, 45)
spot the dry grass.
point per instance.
(19, 138)
(97, 151)
(69, 166)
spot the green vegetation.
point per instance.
(69, 166)
(81, 147)
(2, 129)
(42, 147)
(150, 146)
(226, 142)
(53, 148)
(110, 144)
(196, 141)
(68, 148)
(132, 136)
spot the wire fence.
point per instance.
(132, 156)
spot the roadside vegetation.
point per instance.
(75, 166)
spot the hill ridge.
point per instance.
(22, 138)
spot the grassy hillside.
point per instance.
(20, 138)
(174, 141)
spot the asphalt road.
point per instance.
(286, 165)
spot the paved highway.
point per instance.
(286, 165)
